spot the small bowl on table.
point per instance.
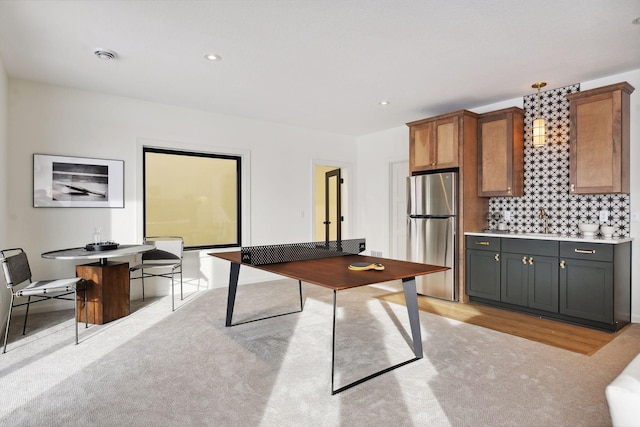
(588, 230)
(607, 231)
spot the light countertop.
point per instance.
(550, 236)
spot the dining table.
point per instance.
(107, 280)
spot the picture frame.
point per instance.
(77, 182)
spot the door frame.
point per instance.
(347, 172)
(337, 173)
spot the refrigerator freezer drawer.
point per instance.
(432, 241)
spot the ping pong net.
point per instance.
(273, 254)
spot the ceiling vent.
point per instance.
(105, 54)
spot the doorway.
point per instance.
(329, 215)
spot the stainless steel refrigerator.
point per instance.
(432, 226)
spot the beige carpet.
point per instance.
(157, 368)
(546, 331)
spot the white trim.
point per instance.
(395, 221)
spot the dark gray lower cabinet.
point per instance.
(529, 274)
(530, 281)
(595, 282)
(586, 289)
(482, 267)
(514, 278)
(586, 283)
(543, 284)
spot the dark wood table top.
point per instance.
(334, 273)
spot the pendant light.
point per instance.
(539, 128)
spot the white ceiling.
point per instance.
(320, 64)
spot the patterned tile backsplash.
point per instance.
(546, 179)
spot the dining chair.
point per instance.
(15, 266)
(163, 261)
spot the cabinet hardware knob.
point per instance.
(483, 243)
(433, 164)
(497, 257)
(524, 260)
(530, 260)
(573, 187)
(509, 190)
(585, 251)
(562, 264)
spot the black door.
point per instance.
(333, 209)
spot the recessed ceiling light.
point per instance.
(636, 21)
(384, 102)
(213, 57)
(105, 54)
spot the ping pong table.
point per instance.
(333, 273)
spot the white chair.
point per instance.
(623, 396)
(163, 261)
(17, 271)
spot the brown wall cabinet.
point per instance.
(599, 140)
(501, 153)
(434, 143)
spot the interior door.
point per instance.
(333, 206)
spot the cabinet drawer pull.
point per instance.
(483, 243)
(497, 257)
(524, 260)
(562, 264)
(585, 251)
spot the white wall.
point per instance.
(375, 154)
(377, 151)
(54, 120)
(4, 184)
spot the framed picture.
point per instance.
(77, 182)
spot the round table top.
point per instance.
(82, 253)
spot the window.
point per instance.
(193, 195)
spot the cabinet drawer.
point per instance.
(530, 247)
(483, 243)
(586, 251)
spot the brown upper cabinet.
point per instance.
(501, 153)
(434, 143)
(599, 140)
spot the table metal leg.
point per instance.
(411, 299)
(233, 287)
(333, 344)
(300, 289)
(231, 298)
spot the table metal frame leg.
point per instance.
(411, 299)
(231, 298)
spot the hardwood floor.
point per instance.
(558, 334)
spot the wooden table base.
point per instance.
(107, 292)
